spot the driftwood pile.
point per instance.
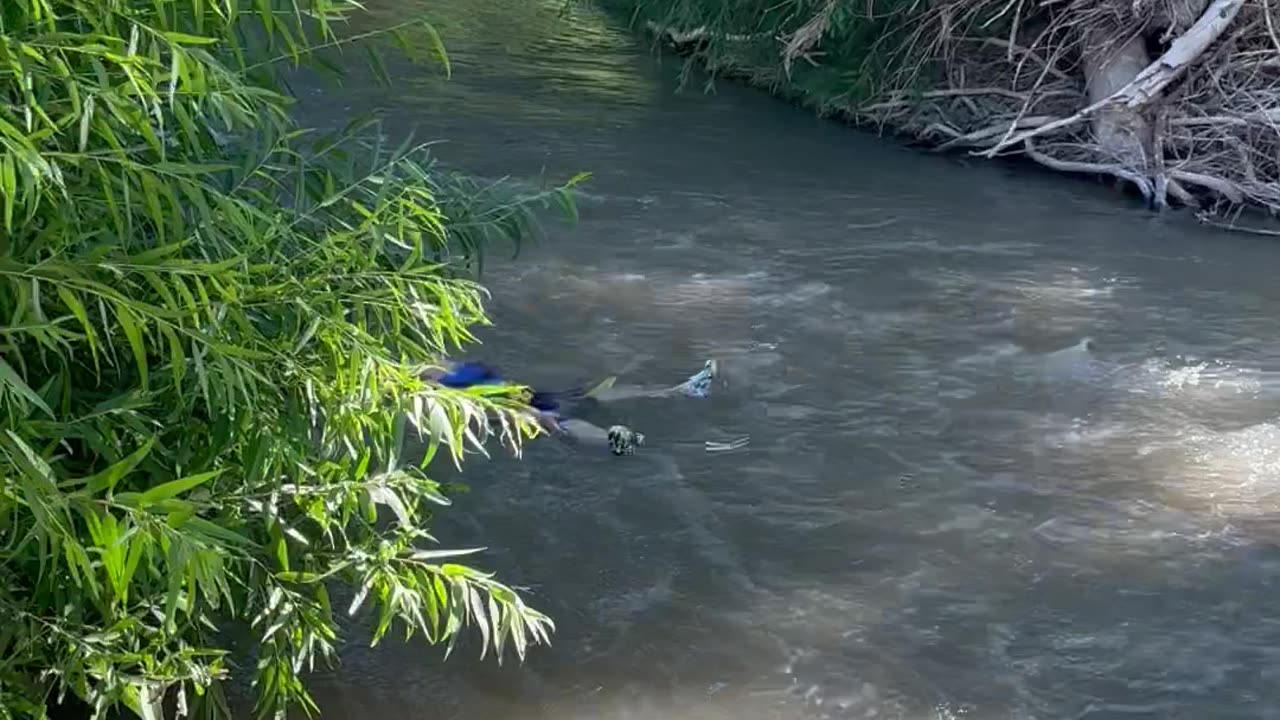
(1178, 99)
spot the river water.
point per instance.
(949, 508)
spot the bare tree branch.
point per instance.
(1152, 81)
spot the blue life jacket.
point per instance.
(469, 374)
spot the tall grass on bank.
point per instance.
(214, 331)
(843, 52)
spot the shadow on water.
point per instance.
(948, 509)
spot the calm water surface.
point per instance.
(948, 508)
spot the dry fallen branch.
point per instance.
(905, 99)
(1271, 115)
(1208, 219)
(801, 43)
(1199, 125)
(1155, 78)
(1226, 188)
(987, 135)
(1014, 49)
(1072, 166)
(1181, 195)
(1150, 84)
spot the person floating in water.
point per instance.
(551, 406)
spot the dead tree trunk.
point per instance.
(1125, 90)
(1122, 134)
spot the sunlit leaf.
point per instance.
(185, 39)
(174, 488)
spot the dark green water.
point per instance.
(939, 515)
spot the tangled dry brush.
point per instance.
(1178, 99)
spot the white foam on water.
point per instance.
(1082, 433)
(990, 354)
(1204, 378)
(1236, 472)
(802, 294)
(1203, 432)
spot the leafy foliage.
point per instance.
(216, 328)
(842, 51)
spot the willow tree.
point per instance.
(215, 331)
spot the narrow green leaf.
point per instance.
(377, 66)
(185, 39)
(151, 191)
(15, 384)
(282, 552)
(437, 46)
(298, 577)
(156, 254)
(217, 531)
(107, 479)
(176, 561)
(72, 301)
(173, 488)
(177, 358)
(134, 335)
(193, 169)
(322, 596)
(139, 543)
(86, 120)
(9, 188)
(106, 183)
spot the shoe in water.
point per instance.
(623, 440)
(699, 385)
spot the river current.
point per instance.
(950, 507)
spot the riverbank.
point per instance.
(1179, 102)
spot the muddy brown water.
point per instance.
(947, 509)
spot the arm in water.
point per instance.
(549, 406)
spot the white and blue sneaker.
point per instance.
(699, 385)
